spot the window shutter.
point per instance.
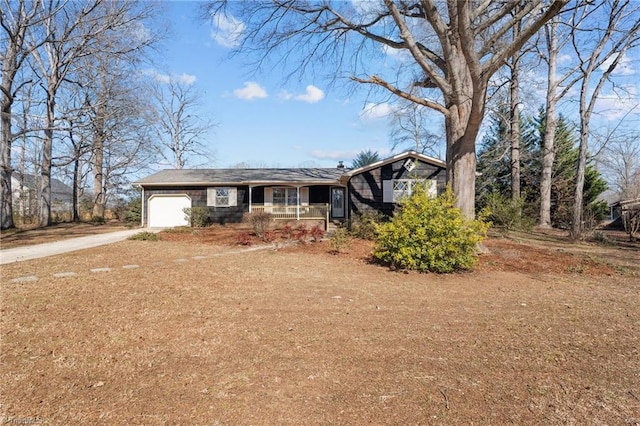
(268, 196)
(233, 197)
(432, 188)
(304, 196)
(211, 197)
(387, 191)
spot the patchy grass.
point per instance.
(193, 330)
(145, 236)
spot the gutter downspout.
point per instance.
(142, 208)
(250, 188)
(298, 203)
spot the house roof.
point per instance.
(57, 186)
(204, 177)
(258, 177)
(398, 157)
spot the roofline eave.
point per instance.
(243, 183)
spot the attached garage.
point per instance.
(167, 211)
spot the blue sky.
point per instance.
(261, 119)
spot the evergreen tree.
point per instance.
(364, 158)
(495, 169)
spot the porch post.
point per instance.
(298, 203)
(250, 187)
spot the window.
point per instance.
(394, 190)
(222, 197)
(285, 197)
(402, 188)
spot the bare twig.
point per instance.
(446, 400)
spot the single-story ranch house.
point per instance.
(325, 194)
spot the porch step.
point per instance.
(332, 225)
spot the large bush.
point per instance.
(259, 221)
(429, 235)
(506, 213)
(198, 217)
(365, 225)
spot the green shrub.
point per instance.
(198, 217)
(429, 235)
(339, 239)
(365, 225)
(506, 213)
(145, 236)
(259, 221)
(97, 220)
(133, 211)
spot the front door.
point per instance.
(337, 202)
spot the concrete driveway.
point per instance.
(36, 251)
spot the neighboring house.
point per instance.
(25, 191)
(328, 194)
(624, 210)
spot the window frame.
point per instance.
(393, 195)
(216, 199)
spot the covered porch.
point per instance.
(297, 212)
(299, 202)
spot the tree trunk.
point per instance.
(461, 157)
(515, 131)
(6, 210)
(98, 156)
(548, 149)
(47, 152)
(76, 187)
(98, 164)
(6, 100)
(576, 224)
(461, 171)
(515, 118)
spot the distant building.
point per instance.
(25, 196)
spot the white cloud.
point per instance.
(615, 104)
(187, 79)
(227, 30)
(624, 67)
(373, 111)
(365, 7)
(250, 91)
(284, 95)
(332, 155)
(161, 78)
(346, 155)
(183, 78)
(311, 96)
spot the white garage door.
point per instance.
(166, 211)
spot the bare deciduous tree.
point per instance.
(611, 42)
(455, 47)
(621, 165)
(412, 128)
(180, 130)
(77, 31)
(16, 17)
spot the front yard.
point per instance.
(190, 331)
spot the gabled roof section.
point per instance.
(218, 177)
(57, 186)
(398, 157)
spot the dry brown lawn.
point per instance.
(192, 330)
